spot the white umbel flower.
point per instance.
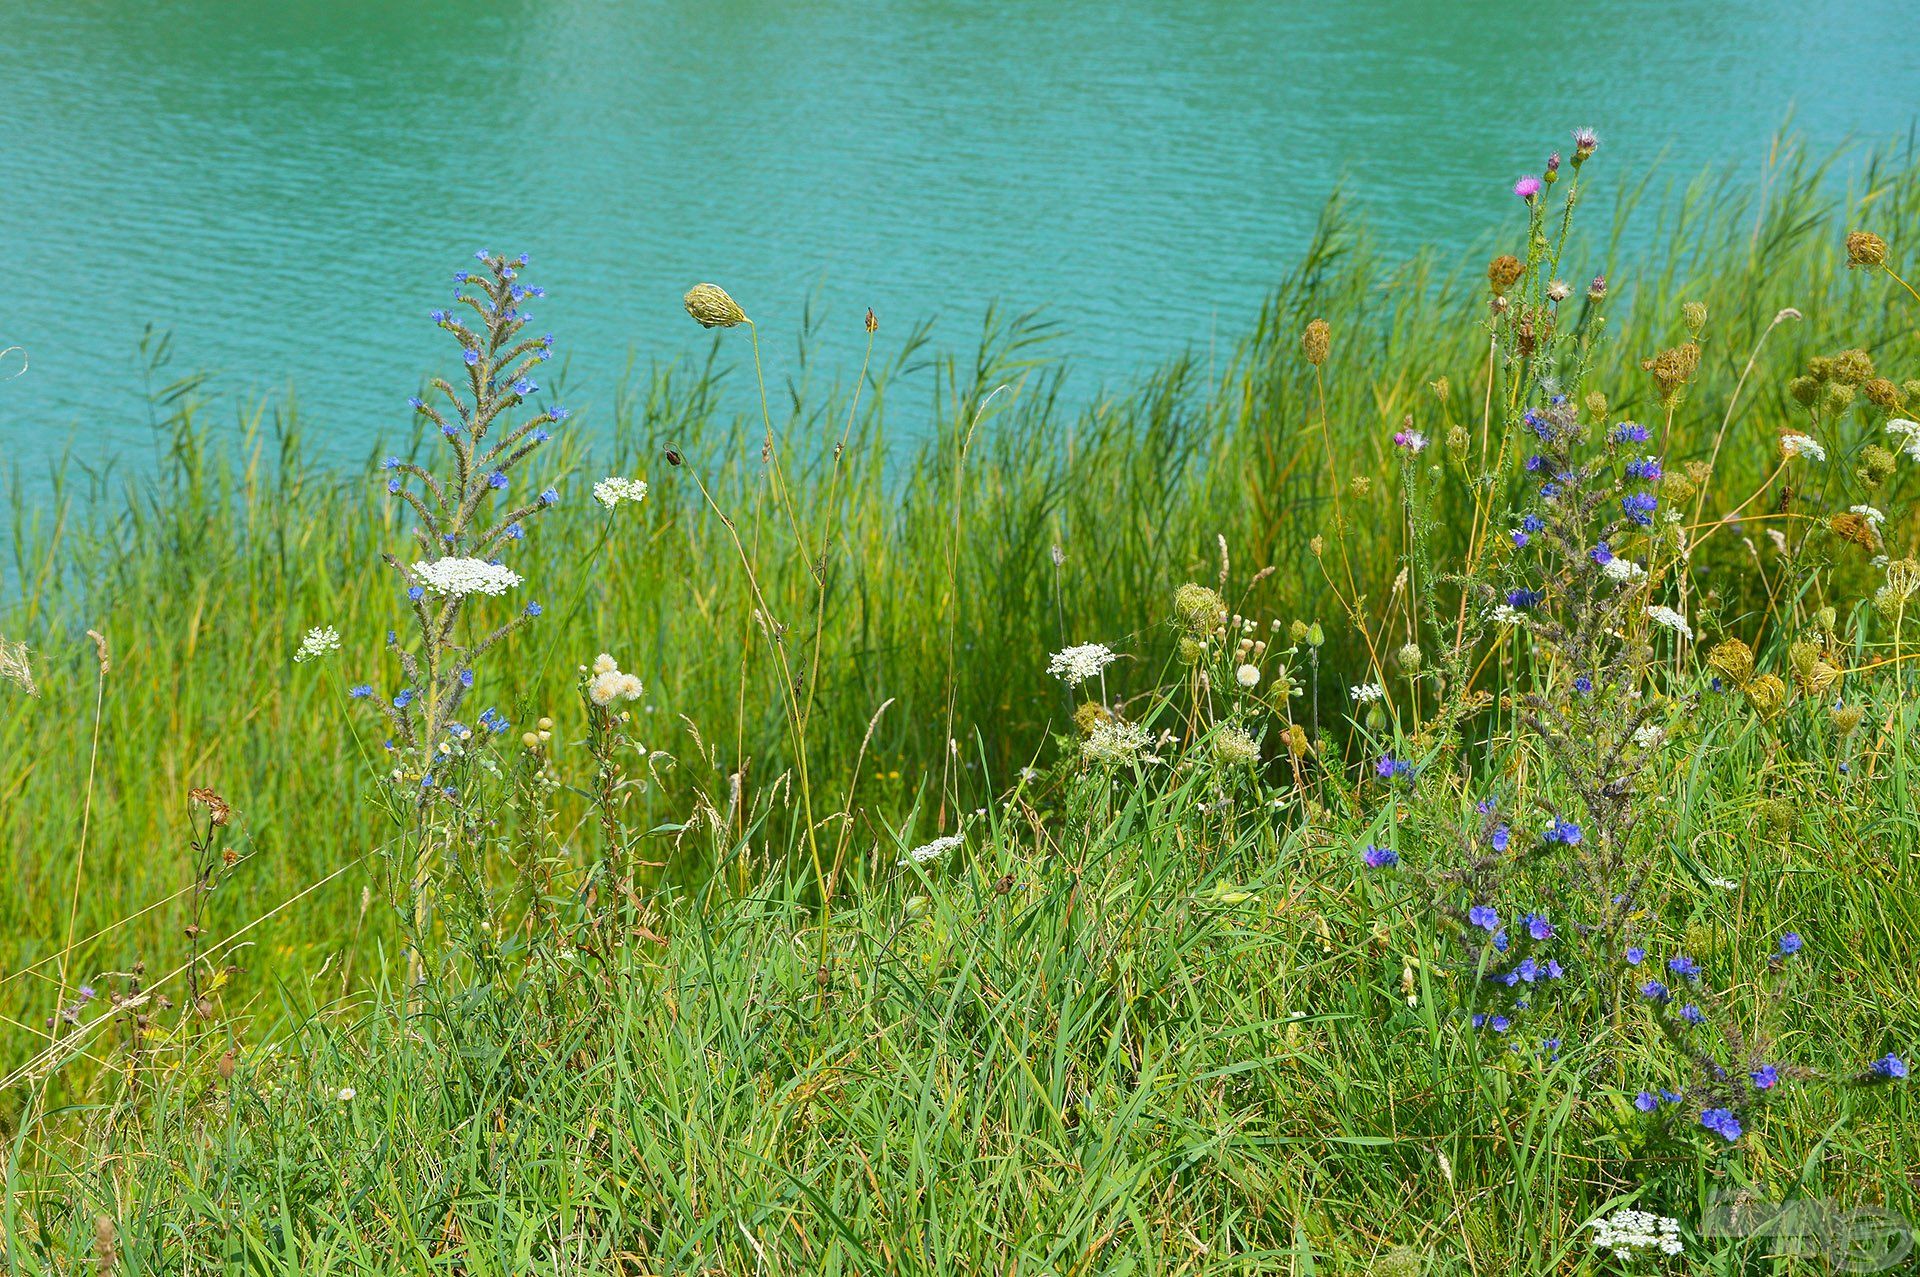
(1802, 446)
(933, 850)
(1628, 1233)
(321, 640)
(457, 578)
(1649, 736)
(1671, 619)
(1906, 436)
(1115, 741)
(1625, 571)
(612, 490)
(1075, 665)
(1366, 693)
(1506, 614)
(1874, 518)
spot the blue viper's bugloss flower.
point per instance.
(1790, 943)
(1380, 857)
(1722, 1122)
(1647, 469)
(515, 532)
(391, 463)
(466, 677)
(438, 316)
(1630, 432)
(404, 699)
(1532, 523)
(1601, 554)
(1765, 1077)
(1548, 491)
(533, 609)
(525, 386)
(1692, 1014)
(1524, 599)
(1536, 463)
(558, 413)
(1564, 831)
(1639, 507)
(1519, 539)
(416, 403)
(1583, 685)
(1486, 917)
(472, 357)
(1390, 767)
(1502, 837)
(1654, 991)
(1500, 940)
(1554, 969)
(540, 435)
(1645, 1102)
(481, 254)
(360, 691)
(1636, 955)
(496, 480)
(393, 485)
(1888, 1067)
(1539, 927)
(1672, 1097)
(550, 497)
(1685, 966)
(416, 593)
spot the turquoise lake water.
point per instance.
(287, 187)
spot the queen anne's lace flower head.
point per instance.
(1671, 619)
(612, 490)
(1625, 571)
(1797, 445)
(1075, 665)
(934, 850)
(1906, 435)
(1115, 740)
(1628, 1233)
(1366, 693)
(318, 641)
(457, 578)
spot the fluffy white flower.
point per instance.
(1623, 570)
(1366, 693)
(1649, 735)
(1873, 517)
(607, 684)
(934, 850)
(1075, 665)
(612, 490)
(1627, 1232)
(1671, 619)
(318, 642)
(1247, 676)
(456, 578)
(346, 1093)
(1802, 446)
(1907, 435)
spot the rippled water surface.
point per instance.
(286, 187)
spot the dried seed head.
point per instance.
(1197, 608)
(1672, 369)
(1846, 718)
(104, 1257)
(1090, 715)
(1818, 679)
(1458, 441)
(1732, 660)
(1192, 650)
(1864, 248)
(217, 810)
(1596, 405)
(1677, 489)
(1801, 655)
(1503, 272)
(1857, 529)
(1441, 388)
(1316, 342)
(1876, 465)
(100, 650)
(1836, 398)
(1850, 366)
(1804, 390)
(1881, 392)
(1767, 694)
(1360, 487)
(873, 322)
(1297, 741)
(1409, 658)
(712, 308)
(1694, 316)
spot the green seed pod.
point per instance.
(1315, 635)
(711, 307)
(1804, 390)
(1409, 658)
(1837, 398)
(1694, 316)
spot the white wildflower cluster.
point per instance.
(1649, 736)
(1115, 740)
(1797, 445)
(934, 850)
(1623, 570)
(457, 578)
(1630, 1233)
(1506, 614)
(608, 684)
(1874, 518)
(1671, 619)
(1075, 665)
(1366, 693)
(1906, 435)
(612, 490)
(318, 642)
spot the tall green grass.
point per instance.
(1106, 1040)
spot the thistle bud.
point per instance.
(1864, 248)
(1597, 289)
(1297, 633)
(1825, 618)
(1315, 635)
(1458, 441)
(1316, 342)
(712, 308)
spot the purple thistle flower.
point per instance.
(1527, 187)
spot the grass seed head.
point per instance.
(1316, 342)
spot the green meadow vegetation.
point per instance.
(1383, 803)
